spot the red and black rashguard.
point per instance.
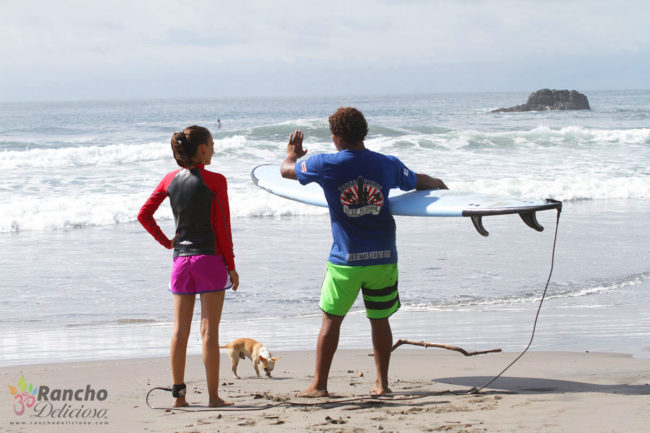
(199, 200)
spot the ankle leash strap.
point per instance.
(178, 390)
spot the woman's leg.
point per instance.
(211, 307)
(183, 310)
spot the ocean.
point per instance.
(82, 280)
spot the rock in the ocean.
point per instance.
(546, 99)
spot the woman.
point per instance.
(203, 252)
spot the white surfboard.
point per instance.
(431, 203)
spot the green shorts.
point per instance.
(378, 284)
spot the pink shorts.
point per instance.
(199, 274)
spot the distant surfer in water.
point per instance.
(356, 182)
(204, 261)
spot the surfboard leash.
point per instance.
(476, 390)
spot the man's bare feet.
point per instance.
(218, 402)
(180, 402)
(313, 392)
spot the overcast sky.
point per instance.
(90, 49)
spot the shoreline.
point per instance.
(472, 330)
(543, 391)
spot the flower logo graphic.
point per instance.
(24, 395)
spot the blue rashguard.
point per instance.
(356, 185)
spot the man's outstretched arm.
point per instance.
(294, 152)
(424, 181)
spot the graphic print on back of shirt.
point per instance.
(361, 197)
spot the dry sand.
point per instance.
(543, 392)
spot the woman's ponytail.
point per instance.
(187, 142)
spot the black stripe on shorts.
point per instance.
(379, 292)
(380, 305)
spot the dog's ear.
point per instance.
(275, 358)
(262, 358)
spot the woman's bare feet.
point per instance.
(380, 390)
(180, 402)
(218, 402)
(313, 392)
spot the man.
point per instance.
(356, 182)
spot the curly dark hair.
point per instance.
(349, 124)
(186, 143)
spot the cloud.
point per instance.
(120, 40)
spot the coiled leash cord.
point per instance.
(377, 399)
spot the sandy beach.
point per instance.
(543, 392)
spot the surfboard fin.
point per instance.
(477, 220)
(530, 219)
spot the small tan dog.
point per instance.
(243, 348)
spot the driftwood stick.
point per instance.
(442, 346)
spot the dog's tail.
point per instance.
(223, 347)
